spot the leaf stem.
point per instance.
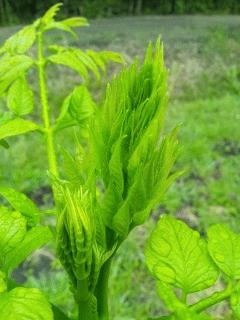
(215, 298)
(52, 161)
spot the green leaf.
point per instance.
(16, 127)
(58, 314)
(51, 13)
(82, 61)
(224, 248)
(59, 25)
(11, 68)
(4, 144)
(20, 202)
(81, 105)
(20, 97)
(12, 231)
(76, 109)
(34, 239)
(20, 42)
(69, 59)
(235, 304)
(75, 22)
(3, 282)
(24, 303)
(176, 255)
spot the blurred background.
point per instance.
(202, 52)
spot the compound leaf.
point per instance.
(176, 255)
(24, 303)
(16, 127)
(224, 248)
(20, 97)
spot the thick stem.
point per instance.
(52, 161)
(101, 291)
(87, 309)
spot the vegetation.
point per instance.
(205, 194)
(24, 10)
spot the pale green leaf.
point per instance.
(75, 22)
(20, 42)
(20, 202)
(20, 97)
(224, 248)
(51, 13)
(3, 282)
(24, 304)
(16, 127)
(59, 25)
(11, 68)
(81, 105)
(235, 303)
(176, 255)
(111, 56)
(12, 231)
(34, 239)
(69, 59)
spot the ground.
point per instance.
(202, 55)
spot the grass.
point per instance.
(202, 54)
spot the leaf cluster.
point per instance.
(179, 258)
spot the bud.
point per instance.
(76, 236)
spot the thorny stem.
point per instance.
(52, 161)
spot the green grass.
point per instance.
(202, 54)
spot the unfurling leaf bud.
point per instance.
(75, 234)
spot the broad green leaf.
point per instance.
(58, 314)
(111, 56)
(75, 22)
(59, 25)
(224, 248)
(83, 61)
(4, 144)
(11, 68)
(69, 59)
(20, 42)
(16, 127)
(76, 109)
(235, 303)
(34, 239)
(20, 97)
(51, 13)
(175, 254)
(24, 304)
(81, 104)
(12, 231)
(20, 202)
(3, 282)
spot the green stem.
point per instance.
(52, 161)
(87, 309)
(101, 291)
(211, 300)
